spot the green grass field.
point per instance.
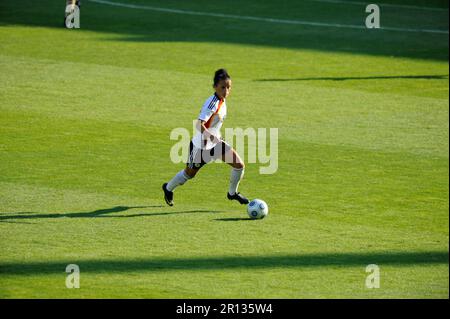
(363, 172)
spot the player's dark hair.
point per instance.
(220, 75)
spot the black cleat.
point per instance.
(168, 195)
(237, 196)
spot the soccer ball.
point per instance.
(257, 209)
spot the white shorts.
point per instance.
(199, 157)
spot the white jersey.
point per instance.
(213, 112)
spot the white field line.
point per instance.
(270, 20)
(387, 5)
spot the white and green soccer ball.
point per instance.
(257, 209)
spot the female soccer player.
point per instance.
(207, 145)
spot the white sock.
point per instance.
(236, 176)
(178, 180)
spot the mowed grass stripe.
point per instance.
(160, 29)
(383, 187)
(261, 19)
(385, 122)
(337, 282)
(381, 4)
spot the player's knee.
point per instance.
(190, 172)
(239, 165)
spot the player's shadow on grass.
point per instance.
(100, 213)
(387, 77)
(159, 264)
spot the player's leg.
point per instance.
(192, 167)
(232, 158)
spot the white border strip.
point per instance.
(270, 20)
